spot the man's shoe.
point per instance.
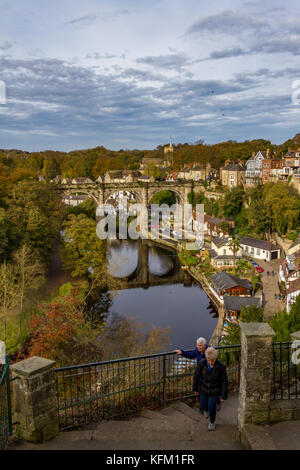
(206, 414)
(211, 426)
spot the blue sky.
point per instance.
(132, 73)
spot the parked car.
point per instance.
(255, 265)
(259, 269)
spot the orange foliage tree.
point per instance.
(61, 333)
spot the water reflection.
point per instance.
(156, 292)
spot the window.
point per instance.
(252, 251)
(258, 251)
(224, 251)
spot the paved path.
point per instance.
(270, 287)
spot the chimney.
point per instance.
(268, 153)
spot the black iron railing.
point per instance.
(115, 389)
(5, 405)
(286, 373)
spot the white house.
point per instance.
(259, 249)
(253, 168)
(289, 273)
(292, 292)
(222, 254)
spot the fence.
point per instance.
(5, 405)
(115, 389)
(286, 374)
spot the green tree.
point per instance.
(85, 251)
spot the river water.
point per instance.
(158, 292)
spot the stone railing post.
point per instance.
(256, 373)
(35, 404)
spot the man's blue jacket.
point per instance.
(193, 354)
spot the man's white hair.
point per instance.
(211, 353)
(201, 341)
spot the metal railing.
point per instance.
(5, 405)
(115, 389)
(286, 374)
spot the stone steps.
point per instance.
(177, 426)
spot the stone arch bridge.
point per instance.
(142, 191)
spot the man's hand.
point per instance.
(178, 351)
(221, 400)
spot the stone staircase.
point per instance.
(177, 427)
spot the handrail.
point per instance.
(135, 358)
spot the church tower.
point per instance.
(168, 154)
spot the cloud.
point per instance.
(225, 53)
(83, 20)
(169, 61)
(228, 22)
(6, 46)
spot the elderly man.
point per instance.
(198, 353)
(211, 382)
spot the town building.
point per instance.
(217, 227)
(82, 180)
(271, 170)
(289, 274)
(221, 253)
(259, 249)
(294, 247)
(234, 305)
(226, 284)
(74, 200)
(232, 174)
(194, 172)
(122, 176)
(254, 167)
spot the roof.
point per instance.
(227, 281)
(294, 286)
(297, 242)
(233, 167)
(75, 197)
(215, 220)
(263, 245)
(237, 303)
(219, 242)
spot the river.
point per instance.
(158, 292)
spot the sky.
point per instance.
(129, 74)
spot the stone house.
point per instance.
(232, 174)
(82, 180)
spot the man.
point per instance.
(198, 353)
(211, 383)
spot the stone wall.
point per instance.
(35, 403)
